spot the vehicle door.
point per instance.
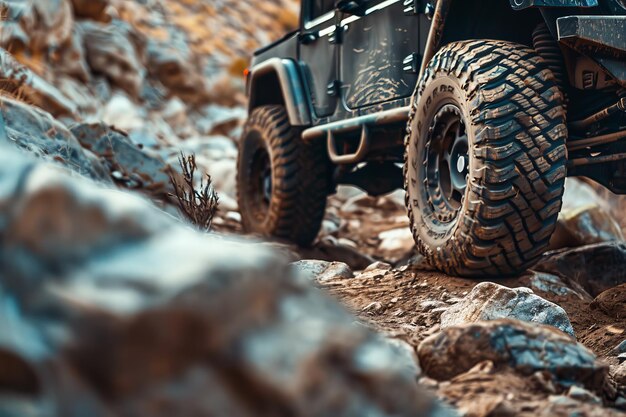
(381, 51)
(319, 54)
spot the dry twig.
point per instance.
(199, 205)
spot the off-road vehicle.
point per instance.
(479, 108)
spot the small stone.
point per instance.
(234, 216)
(583, 395)
(431, 304)
(321, 271)
(621, 348)
(378, 265)
(373, 306)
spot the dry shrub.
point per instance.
(197, 204)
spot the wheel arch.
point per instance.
(277, 81)
(513, 21)
(489, 19)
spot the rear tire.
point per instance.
(503, 102)
(282, 182)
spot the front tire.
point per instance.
(485, 159)
(282, 182)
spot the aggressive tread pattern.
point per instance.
(300, 173)
(515, 191)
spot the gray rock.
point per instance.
(552, 285)
(321, 271)
(524, 347)
(108, 307)
(115, 50)
(583, 395)
(19, 80)
(583, 226)
(38, 133)
(38, 25)
(618, 373)
(596, 267)
(135, 167)
(489, 301)
(621, 348)
(171, 62)
(405, 355)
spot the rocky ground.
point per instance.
(112, 303)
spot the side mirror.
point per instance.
(353, 7)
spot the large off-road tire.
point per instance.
(282, 182)
(485, 159)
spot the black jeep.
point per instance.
(480, 108)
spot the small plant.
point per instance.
(198, 204)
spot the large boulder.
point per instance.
(116, 51)
(595, 267)
(489, 301)
(128, 164)
(37, 25)
(583, 226)
(19, 81)
(524, 347)
(40, 134)
(172, 63)
(110, 307)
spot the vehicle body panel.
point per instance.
(373, 51)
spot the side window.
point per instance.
(319, 8)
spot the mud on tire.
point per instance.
(509, 109)
(282, 182)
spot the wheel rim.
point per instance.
(446, 162)
(261, 182)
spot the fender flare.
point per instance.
(292, 89)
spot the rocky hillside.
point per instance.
(112, 303)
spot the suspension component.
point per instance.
(548, 48)
(601, 115)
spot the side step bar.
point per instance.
(363, 123)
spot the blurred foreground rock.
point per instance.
(110, 307)
(489, 301)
